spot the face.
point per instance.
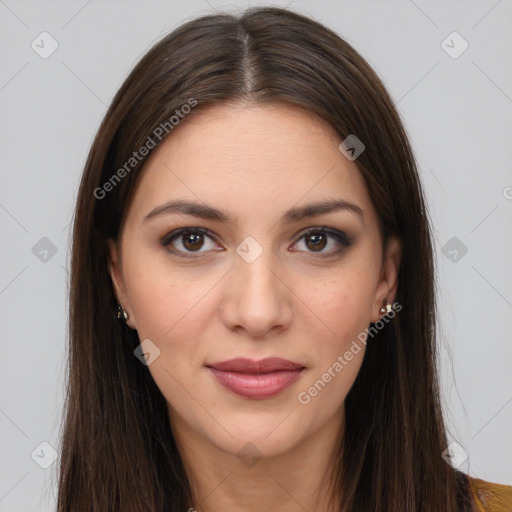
(242, 269)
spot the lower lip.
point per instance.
(257, 385)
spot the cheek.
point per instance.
(337, 358)
(343, 303)
(172, 308)
(169, 304)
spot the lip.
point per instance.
(256, 379)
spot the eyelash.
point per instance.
(342, 239)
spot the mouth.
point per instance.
(256, 379)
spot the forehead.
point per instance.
(246, 157)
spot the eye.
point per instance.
(317, 239)
(187, 240)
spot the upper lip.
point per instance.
(244, 365)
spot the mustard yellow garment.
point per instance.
(491, 497)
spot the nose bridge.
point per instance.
(254, 268)
(258, 299)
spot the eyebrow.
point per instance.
(294, 214)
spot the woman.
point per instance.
(252, 301)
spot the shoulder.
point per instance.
(490, 497)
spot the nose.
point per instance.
(257, 298)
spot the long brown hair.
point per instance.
(118, 451)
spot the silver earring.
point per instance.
(121, 313)
(386, 309)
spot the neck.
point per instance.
(291, 481)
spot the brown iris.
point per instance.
(319, 241)
(193, 241)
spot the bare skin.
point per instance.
(298, 299)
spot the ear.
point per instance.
(116, 274)
(388, 281)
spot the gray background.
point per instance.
(458, 112)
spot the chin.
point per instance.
(247, 442)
